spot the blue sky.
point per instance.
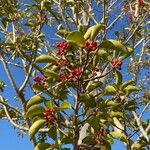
(10, 140)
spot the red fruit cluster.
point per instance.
(62, 46)
(74, 74)
(89, 45)
(39, 80)
(116, 63)
(49, 116)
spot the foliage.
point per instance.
(72, 58)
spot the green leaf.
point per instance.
(137, 146)
(53, 132)
(108, 103)
(93, 85)
(116, 114)
(93, 31)
(113, 44)
(130, 88)
(35, 127)
(75, 37)
(45, 59)
(84, 97)
(51, 73)
(119, 136)
(42, 146)
(131, 105)
(65, 105)
(48, 104)
(125, 84)
(118, 77)
(38, 87)
(103, 54)
(82, 28)
(128, 52)
(37, 99)
(110, 90)
(34, 110)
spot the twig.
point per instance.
(144, 110)
(7, 105)
(140, 125)
(10, 119)
(101, 76)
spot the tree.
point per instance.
(83, 72)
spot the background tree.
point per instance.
(82, 70)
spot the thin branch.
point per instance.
(10, 119)
(101, 76)
(140, 125)
(8, 105)
(9, 74)
(144, 110)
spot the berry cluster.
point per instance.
(49, 116)
(116, 63)
(62, 46)
(89, 45)
(74, 75)
(39, 80)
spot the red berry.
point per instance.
(49, 115)
(76, 73)
(116, 63)
(90, 45)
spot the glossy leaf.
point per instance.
(113, 44)
(37, 99)
(45, 59)
(126, 83)
(110, 90)
(35, 127)
(34, 110)
(130, 88)
(93, 31)
(103, 55)
(75, 37)
(50, 73)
